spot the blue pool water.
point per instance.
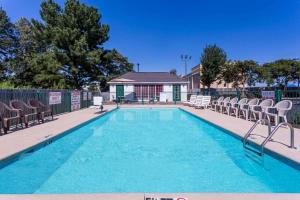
(146, 150)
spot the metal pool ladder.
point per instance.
(260, 150)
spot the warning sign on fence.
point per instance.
(89, 96)
(54, 98)
(75, 100)
(268, 94)
(84, 96)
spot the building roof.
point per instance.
(194, 70)
(147, 77)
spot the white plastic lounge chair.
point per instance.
(280, 110)
(217, 102)
(258, 112)
(192, 98)
(98, 102)
(198, 98)
(245, 109)
(222, 104)
(227, 106)
(163, 97)
(204, 103)
(235, 108)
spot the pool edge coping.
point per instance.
(142, 196)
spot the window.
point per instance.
(145, 91)
(152, 91)
(159, 89)
(137, 91)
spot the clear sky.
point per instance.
(156, 32)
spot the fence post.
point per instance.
(238, 94)
(278, 95)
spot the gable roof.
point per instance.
(147, 77)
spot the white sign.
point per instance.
(84, 96)
(75, 100)
(89, 95)
(268, 94)
(54, 98)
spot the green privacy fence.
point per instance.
(290, 93)
(43, 95)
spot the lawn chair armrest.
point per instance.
(244, 106)
(235, 105)
(15, 112)
(270, 110)
(256, 108)
(228, 104)
(35, 109)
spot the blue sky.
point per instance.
(156, 32)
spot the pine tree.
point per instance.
(74, 36)
(7, 43)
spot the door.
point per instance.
(119, 92)
(176, 92)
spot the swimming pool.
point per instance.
(146, 150)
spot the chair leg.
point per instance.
(276, 120)
(26, 121)
(5, 130)
(42, 117)
(285, 119)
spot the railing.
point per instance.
(292, 136)
(261, 121)
(270, 135)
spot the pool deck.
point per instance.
(21, 140)
(141, 196)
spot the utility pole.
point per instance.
(185, 58)
(138, 67)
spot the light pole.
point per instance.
(138, 67)
(185, 58)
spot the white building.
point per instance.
(148, 86)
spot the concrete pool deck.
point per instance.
(142, 196)
(23, 139)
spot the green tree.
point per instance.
(21, 64)
(264, 75)
(295, 64)
(212, 60)
(113, 64)
(228, 72)
(73, 37)
(245, 73)
(7, 43)
(281, 72)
